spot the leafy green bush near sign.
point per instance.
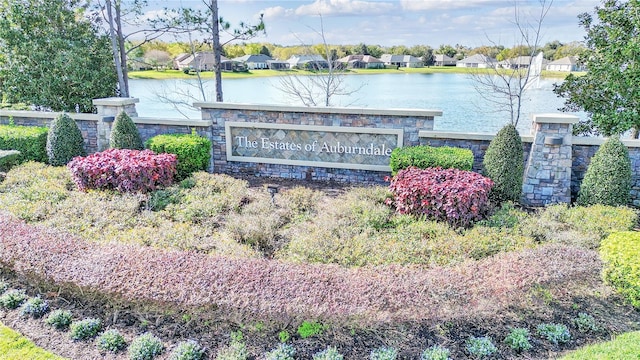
(608, 177)
(427, 157)
(64, 141)
(192, 151)
(621, 255)
(504, 164)
(30, 141)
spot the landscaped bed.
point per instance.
(212, 256)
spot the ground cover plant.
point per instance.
(212, 255)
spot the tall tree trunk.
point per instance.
(124, 91)
(114, 48)
(216, 47)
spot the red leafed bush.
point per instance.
(123, 170)
(456, 196)
(258, 289)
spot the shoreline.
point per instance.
(178, 74)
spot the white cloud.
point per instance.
(419, 5)
(276, 12)
(344, 7)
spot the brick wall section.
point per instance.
(219, 113)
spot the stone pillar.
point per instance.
(108, 109)
(547, 177)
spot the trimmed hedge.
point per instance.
(455, 196)
(504, 164)
(31, 141)
(621, 255)
(244, 290)
(64, 141)
(608, 177)
(425, 156)
(192, 151)
(125, 134)
(9, 159)
(123, 170)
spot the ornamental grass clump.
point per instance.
(12, 299)
(145, 347)
(59, 319)
(34, 307)
(608, 177)
(480, 347)
(85, 329)
(455, 196)
(282, 352)
(124, 133)
(436, 352)
(111, 340)
(64, 140)
(554, 333)
(187, 350)
(504, 164)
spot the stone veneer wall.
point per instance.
(88, 123)
(411, 121)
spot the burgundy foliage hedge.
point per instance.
(123, 170)
(254, 289)
(456, 196)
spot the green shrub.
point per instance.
(60, 319)
(193, 151)
(30, 141)
(518, 339)
(330, 353)
(383, 353)
(64, 141)
(585, 323)
(480, 346)
(620, 253)
(111, 340)
(608, 177)
(427, 157)
(187, 350)
(85, 329)
(145, 347)
(282, 352)
(310, 328)
(124, 134)
(554, 333)
(34, 307)
(236, 350)
(284, 336)
(507, 216)
(9, 159)
(435, 352)
(504, 164)
(12, 299)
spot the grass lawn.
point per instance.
(15, 346)
(625, 346)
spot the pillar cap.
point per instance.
(115, 101)
(555, 118)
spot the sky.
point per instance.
(471, 23)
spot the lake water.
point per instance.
(463, 108)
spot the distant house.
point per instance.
(277, 65)
(254, 61)
(409, 61)
(519, 62)
(567, 64)
(203, 61)
(443, 60)
(361, 62)
(477, 61)
(309, 62)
